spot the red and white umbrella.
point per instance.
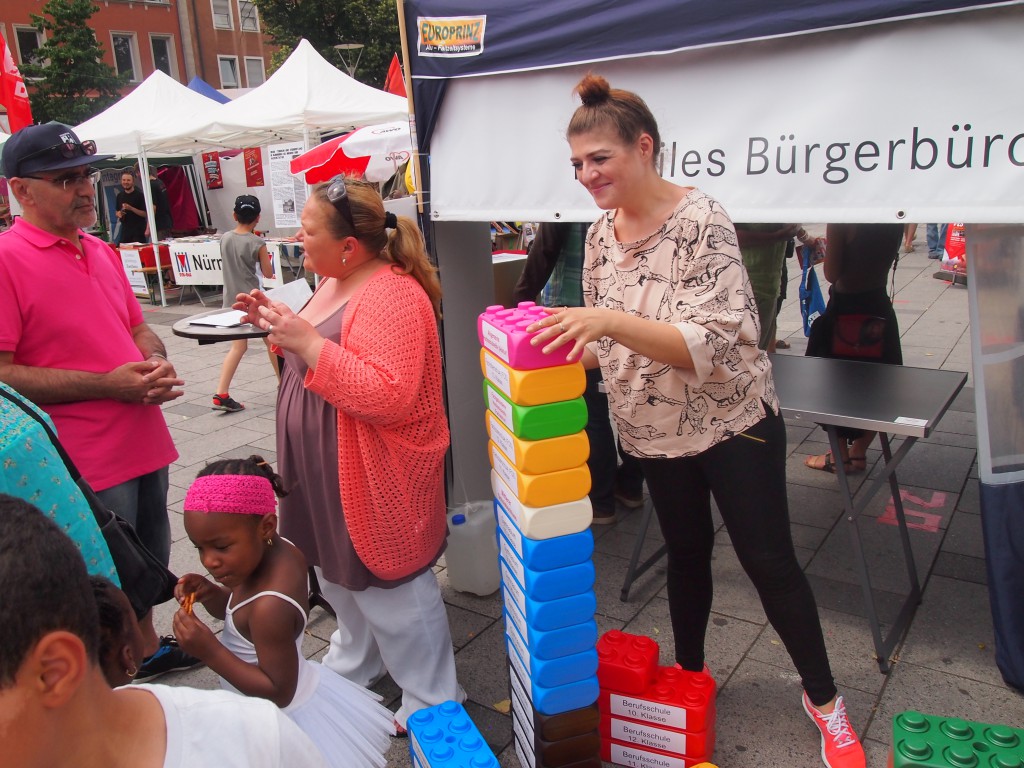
(375, 151)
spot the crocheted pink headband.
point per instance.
(240, 494)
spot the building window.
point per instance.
(248, 17)
(126, 54)
(222, 14)
(30, 40)
(163, 55)
(255, 72)
(228, 71)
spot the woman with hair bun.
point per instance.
(670, 318)
(361, 440)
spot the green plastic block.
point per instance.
(926, 741)
(537, 422)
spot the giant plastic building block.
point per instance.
(556, 699)
(536, 386)
(547, 614)
(677, 699)
(563, 725)
(443, 736)
(544, 490)
(551, 644)
(551, 584)
(692, 744)
(626, 663)
(571, 750)
(536, 422)
(503, 332)
(927, 741)
(538, 456)
(550, 673)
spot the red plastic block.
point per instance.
(679, 700)
(637, 757)
(693, 744)
(626, 663)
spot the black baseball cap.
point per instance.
(247, 204)
(47, 147)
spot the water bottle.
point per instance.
(472, 553)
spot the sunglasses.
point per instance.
(67, 150)
(337, 194)
(91, 175)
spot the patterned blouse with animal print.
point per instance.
(688, 273)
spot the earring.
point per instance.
(270, 542)
(132, 672)
(344, 261)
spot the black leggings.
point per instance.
(747, 475)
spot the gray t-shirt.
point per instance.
(240, 255)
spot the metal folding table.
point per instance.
(888, 399)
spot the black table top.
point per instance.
(894, 399)
(208, 334)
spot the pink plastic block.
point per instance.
(626, 663)
(503, 332)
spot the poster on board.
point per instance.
(288, 192)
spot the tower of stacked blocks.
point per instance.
(652, 716)
(538, 452)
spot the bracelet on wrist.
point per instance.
(158, 354)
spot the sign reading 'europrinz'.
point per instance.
(451, 35)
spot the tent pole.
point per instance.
(147, 192)
(406, 74)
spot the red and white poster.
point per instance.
(211, 170)
(253, 167)
(13, 93)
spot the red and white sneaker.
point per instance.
(840, 747)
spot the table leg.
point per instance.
(633, 571)
(853, 510)
(316, 597)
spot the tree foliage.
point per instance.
(326, 23)
(69, 81)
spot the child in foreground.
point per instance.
(262, 596)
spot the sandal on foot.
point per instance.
(824, 463)
(400, 731)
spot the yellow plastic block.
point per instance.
(536, 457)
(541, 490)
(537, 386)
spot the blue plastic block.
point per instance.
(548, 585)
(545, 554)
(554, 643)
(443, 736)
(556, 699)
(552, 672)
(547, 614)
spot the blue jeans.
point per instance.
(142, 501)
(936, 239)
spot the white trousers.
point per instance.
(402, 631)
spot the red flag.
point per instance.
(394, 82)
(13, 93)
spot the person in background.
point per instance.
(936, 234)
(121, 644)
(671, 320)
(161, 207)
(909, 233)
(58, 709)
(764, 248)
(361, 440)
(859, 322)
(75, 342)
(554, 268)
(242, 252)
(130, 206)
(6, 219)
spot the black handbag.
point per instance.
(144, 578)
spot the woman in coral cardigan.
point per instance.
(361, 440)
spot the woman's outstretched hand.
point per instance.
(570, 325)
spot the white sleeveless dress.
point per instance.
(345, 721)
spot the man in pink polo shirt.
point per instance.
(72, 337)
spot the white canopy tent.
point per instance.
(305, 96)
(127, 127)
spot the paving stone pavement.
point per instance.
(943, 666)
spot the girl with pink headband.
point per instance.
(262, 595)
